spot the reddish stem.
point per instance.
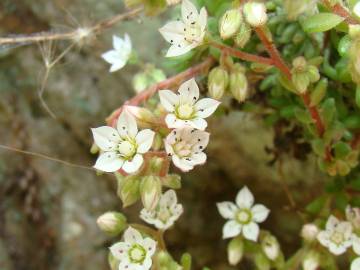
(170, 82)
(338, 9)
(243, 55)
(355, 143)
(281, 65)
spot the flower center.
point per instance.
(185, 111)
(182, 149)
(164, 214)
(337, 238)
(137, 254)
(126, 149)
(243, 216)
(192, 33)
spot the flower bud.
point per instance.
(243, 35)
(261, 261)
(145, 118)
(271, 247)
(128, 190)
(229, 23)
(112, 223)
(172, 181)
(309, 232)
(311, 261)
(353, 216)
(238, 85)
(255, 13)
(303, 74)
(150, 191)
(217, 82)
(235, 250)
(140, 82)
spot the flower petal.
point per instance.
(173, 32)
(173, 122)
(168, 199)
(189, 12)
(231, 229)
(356, 244)
(108, 162)
(332, 223)
(118, 43)
(106, 138)
(119, 65)
(144, 140)
(203, 19)
(180, 48)
(251, 231)
(132, 236)
(244, 198)
(259, 213)
(131, 166)
(199, 158)
(355, 265)
(206, 107)
(111, 56)
(198, 123)
(168, 99)
(119, 250)
(227, 209)
(150, 246)
(189, 92)
(182, 164)
(200, 138)
(337, 249)
(125, 264)
(126, 125)
(324, 238)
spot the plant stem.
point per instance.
(170, 82)
(338, 9)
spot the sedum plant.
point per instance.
(292, 62)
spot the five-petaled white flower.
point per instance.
(243, 215)
(187, 34)
(122, 148)
(135, 252)
(185, 109)
(337, 236)
(119, 56)
(186, 146)
(166, 213)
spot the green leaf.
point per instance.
(357, 96)
(341, 201)
(316, 205)
(318, 146)
(319, 92)
(355, 184)
(303, 116)
(321, 22)
(186, 261)
(328, 111)
(342, 150)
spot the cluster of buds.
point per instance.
(221, 80)
(303, 74)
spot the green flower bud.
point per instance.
(255, 13)
(261, 261)
(140, 82)
(145, 118)
(217, 82)
(243, 35)
(271, 247)
(229, 23)
(94, 149)
(186, 261)
(238, 85)
(311, 260)
(303, 74)
(128, 190)
(150, 191)
(158, 141)
(235, 250)
(172, 181)
(112, 223)
(157, 75)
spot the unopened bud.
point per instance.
(238, 85)
(303, 74)
(235, 250)
(311, 261)
(309, 232)
(94, 149)
(157, 75)
(217, 82)
(112, 223)
(271, 247)
(243, 35)
(255, 13)
(353, 216)
(150, 191)
(262, 262)
(128, 190)
(230, 23)
(144, 116)
(172, 181)
(140, 82)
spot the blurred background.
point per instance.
(48, 210)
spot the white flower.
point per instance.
(166, 213)
(186, 147)
(355, 265)
(243, 215)
(135, 252)
(337, 236)
(119, 56)
(122, 148)
(187, 34)
(185, 109)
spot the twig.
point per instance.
(71, 35)
(338, 9)
(149, 92)
(13, 149)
